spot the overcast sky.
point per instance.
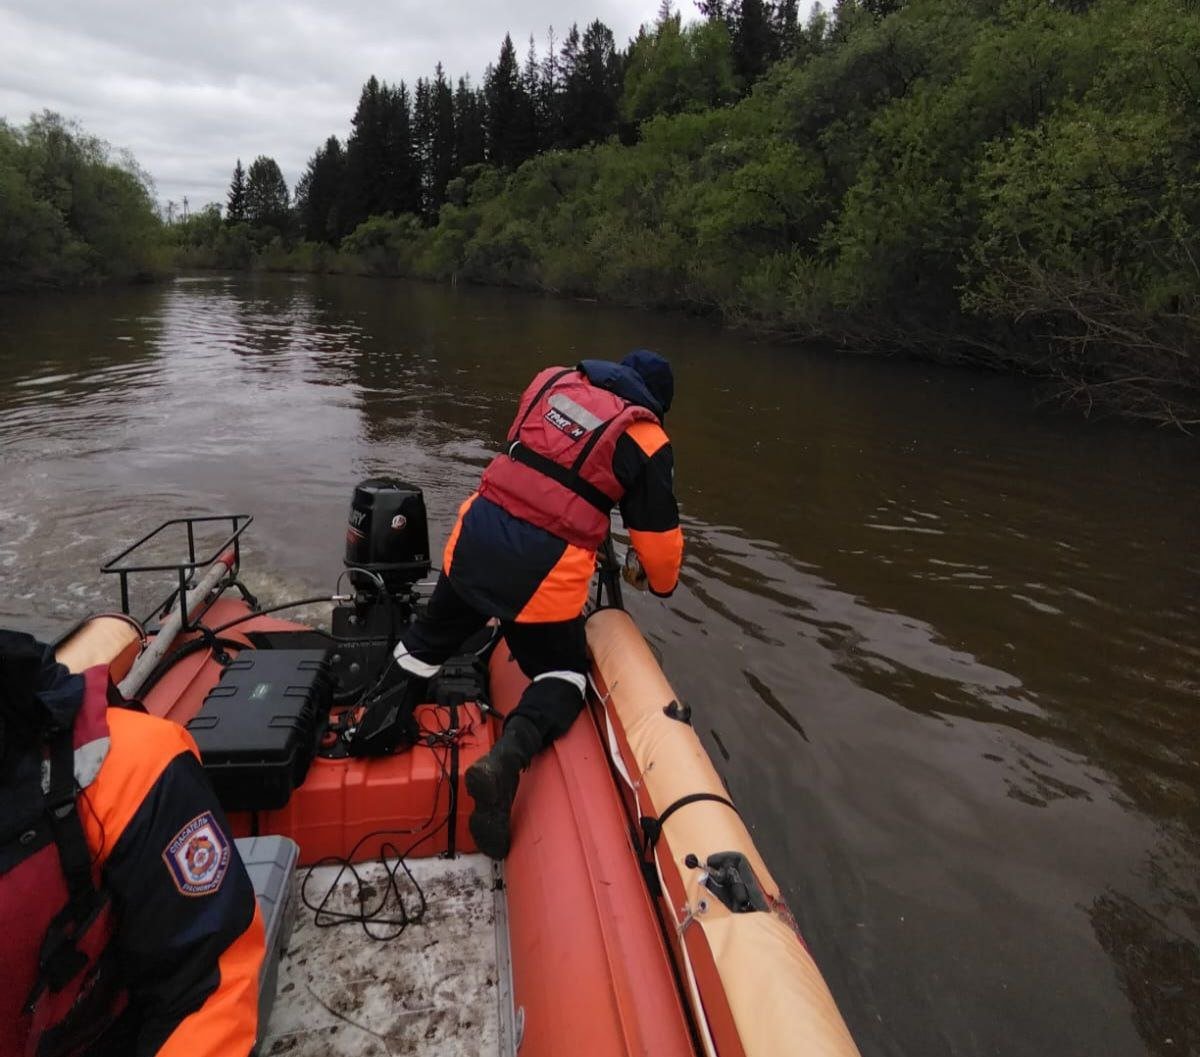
(191, 87)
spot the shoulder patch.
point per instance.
(649, 436)
(198, 856)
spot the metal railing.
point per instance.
(185, 570)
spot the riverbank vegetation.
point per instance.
(1006, 183)
(1010, 183)
(71, 212)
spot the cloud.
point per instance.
(189, 88)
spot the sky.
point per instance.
(189, 88)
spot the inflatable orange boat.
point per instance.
(634, 914)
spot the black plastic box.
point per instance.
(259, 726)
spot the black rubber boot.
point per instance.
(492, 783)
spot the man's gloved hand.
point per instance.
(633, 573)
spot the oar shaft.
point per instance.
(157, 649)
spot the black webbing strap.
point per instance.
(652, 830)
(597, 433)
(567, 478)
(59, 959)
(73, 850)
(537, 399)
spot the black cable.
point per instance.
(368, 918)
(180, 652)
(272, 609)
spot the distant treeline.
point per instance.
(71, 213)
(1012, 183)
(1009, 183)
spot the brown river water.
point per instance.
(943, 645)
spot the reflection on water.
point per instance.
(943, 648)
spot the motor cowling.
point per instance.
(388, 533)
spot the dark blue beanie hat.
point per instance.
(656, 372)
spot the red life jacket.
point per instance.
(557, 472)
(59, 986)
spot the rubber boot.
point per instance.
(492, 783)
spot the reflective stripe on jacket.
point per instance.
(557, 472)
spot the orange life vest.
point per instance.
(557, 470)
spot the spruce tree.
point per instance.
(235, 211)
(441, 146)
(422, 138)
(319, 194)
(591, 85)
(508, 121)
(548, 104)
(569, 96)
(533, 127)
(470, 133)
(267, 195)
(402, 190)
(366, 152)
(754, 41)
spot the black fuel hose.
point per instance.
(186, 650)
(275, 609)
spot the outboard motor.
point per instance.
(388, 534)
(387, 553)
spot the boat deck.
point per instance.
(442, 987)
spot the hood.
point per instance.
(642, 378)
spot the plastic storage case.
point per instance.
(271, 864)
(259, 726)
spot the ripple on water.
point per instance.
(944, 654)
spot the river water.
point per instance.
(944, 646)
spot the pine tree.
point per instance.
(235, 212)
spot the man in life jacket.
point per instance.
(585, 439)
(130, 925)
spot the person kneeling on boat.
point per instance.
(585, 439)
(130, 925)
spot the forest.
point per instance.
(1006, 183)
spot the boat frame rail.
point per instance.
(184, 570)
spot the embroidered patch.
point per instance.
(198, 856)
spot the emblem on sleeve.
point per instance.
(198, 856)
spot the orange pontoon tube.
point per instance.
(736, 964)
